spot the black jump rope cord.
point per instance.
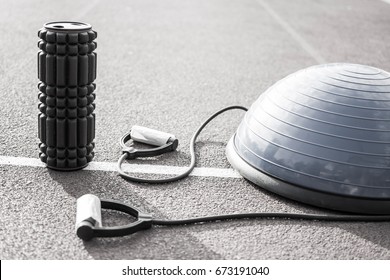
(270, 215)
(332, 217)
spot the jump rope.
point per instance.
(89, 224)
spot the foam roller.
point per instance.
(66, 70)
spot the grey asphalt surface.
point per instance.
(168, 65)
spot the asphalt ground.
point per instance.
(168, 65)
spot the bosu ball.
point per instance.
(321, 136)
(66, 70)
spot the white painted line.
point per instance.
(133, 168)
(21, 161)
(298, 38)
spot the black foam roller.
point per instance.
(66, 70)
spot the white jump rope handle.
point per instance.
(150, 136)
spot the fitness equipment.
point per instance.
(165, 142)
(89, 219)
(66, 70)
(320, 136)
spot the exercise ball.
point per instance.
(321, 136)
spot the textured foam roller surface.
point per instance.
(66, 70)
(325, 128)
